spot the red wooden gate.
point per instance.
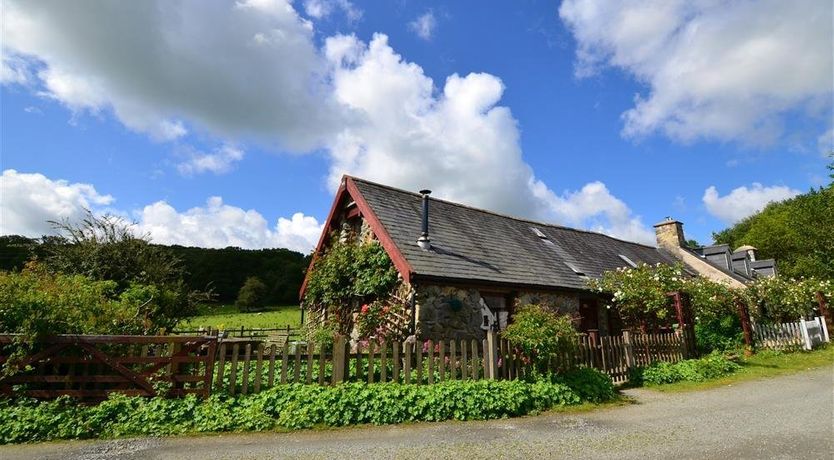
(90, 367)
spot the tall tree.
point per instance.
(798, 233)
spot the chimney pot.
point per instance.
(424, 241)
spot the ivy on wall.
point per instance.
(348, 274)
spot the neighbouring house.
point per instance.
(462, 269)
(716, 262)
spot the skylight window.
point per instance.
(628, 261)
(575, 270)
(538, 233)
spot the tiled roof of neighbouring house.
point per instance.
(474, 245)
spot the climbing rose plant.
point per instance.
(778, 299)
(640, 293)
(345, 274)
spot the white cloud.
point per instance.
(320, 9)
(457, 142)
(719, 70)
(29, 201)
(424, 26)
(220, 161)
(164, 68)
(743, 201)
(247, 70)
(218, 225)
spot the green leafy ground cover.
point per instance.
(764, 364)
(297, 406)
(229, 317)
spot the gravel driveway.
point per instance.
(784, 417)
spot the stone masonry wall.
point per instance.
(437, 319)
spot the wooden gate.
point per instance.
(90, 367)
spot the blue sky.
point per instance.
(600, 115)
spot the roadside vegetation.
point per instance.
(764, 364)
(297, 406)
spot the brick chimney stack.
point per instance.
(669, 234)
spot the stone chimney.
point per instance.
(669, 234)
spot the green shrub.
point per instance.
(719, 334)
(690, 370)
(294, 407)
(590, 384)
(540, 333)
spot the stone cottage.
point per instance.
(463, 269)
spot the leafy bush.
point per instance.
(291, 407)
(540, 333)
(251, 295)
(35, 303)
(590, 384)
(719, 334)
(690, 370)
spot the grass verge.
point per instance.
(764, 364)
(229, 317)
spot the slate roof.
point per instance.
(474, 245)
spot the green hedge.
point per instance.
(690, 370)
(295, 406)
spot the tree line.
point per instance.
(219, 271)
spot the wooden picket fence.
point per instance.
(799, 334)
(245, 366)
(91, 367)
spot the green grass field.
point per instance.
(761, 365)
(229, 317)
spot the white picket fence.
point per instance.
(804, 334)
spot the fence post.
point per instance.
(492, 344)
(338, 359)
(824, 328)
(824, 311)
(628, 351)
(806, 339)
(744, 316)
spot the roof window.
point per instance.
(539, 233)
(628, 261)
(575, 270)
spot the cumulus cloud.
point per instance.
(243, 70)
(719, 70)
(252, 70)
(458, 142)
(29, 201)
(218, 225)
(743, 201)
(424, 25)
(220, 161)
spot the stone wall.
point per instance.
(446, 312)
(565, 303)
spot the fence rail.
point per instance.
(242, 365)
(800, 334)
(93, 366)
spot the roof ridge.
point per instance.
(495, 213)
